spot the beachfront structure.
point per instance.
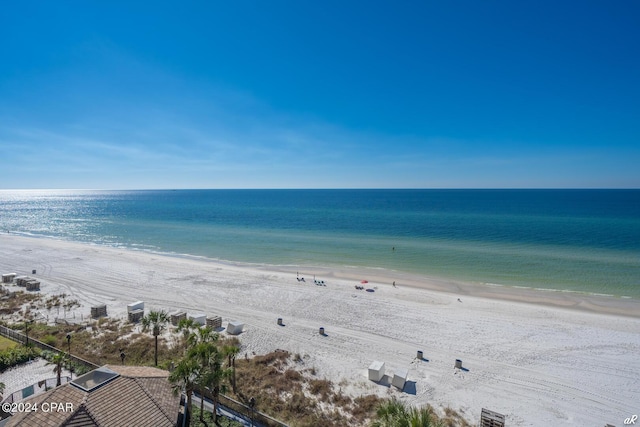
(138, 305)
(22, 280)
(135, 311)
(376, 371)
(110, 395)
(135, 316)
(8, 278)
(32, 285)
(491, 419)
(400, 378)
(234, 327)
(98, 311)
(177, 316)
(199, 318)
(214, 322)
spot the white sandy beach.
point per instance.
(540, 358)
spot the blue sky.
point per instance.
(329, 94)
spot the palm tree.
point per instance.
(217, 375)
(201, 353)
(187, 327)
(203, 334)
(183, 378)
(156, 321)
(59, 359)
(232, 351)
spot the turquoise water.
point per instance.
(578, 240)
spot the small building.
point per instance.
(138, 305)
(234, 327)
(99, 311)
(199, 318)
(400, 378)
(491, 419)
(8, 278)
(22, 280)
(177, 316)
(376, 371)
(32, 285)
(214, 322)
(135, 316)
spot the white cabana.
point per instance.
(400, 378)
(199, 318)
(234, 327)
(376, 371)
(134, 306)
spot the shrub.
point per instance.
(320, 387)
(49, 340)
(16, 356)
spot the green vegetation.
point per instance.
(59, 359)
(6, 343)
(209, 421)
(202, 365)
(62, 360)
(284, 386)
(280, 384)
(16, 300)
(157, 322)
(394, 413)
(16, 356)
(101, 342)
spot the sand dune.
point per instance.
(540, 358)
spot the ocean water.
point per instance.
(573, 240)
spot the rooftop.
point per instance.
(108, 396)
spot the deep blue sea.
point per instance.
(577, 240)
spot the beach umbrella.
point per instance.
(364, 281)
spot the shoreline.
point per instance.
(572, 300)
(563, 299)
(539, 363)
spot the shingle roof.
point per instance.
(140, 396)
